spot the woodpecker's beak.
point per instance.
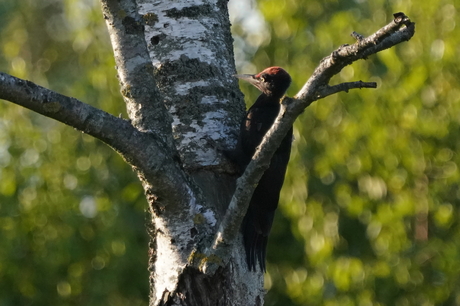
(250, 78)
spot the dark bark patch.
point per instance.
(132, 26)
(190, 12)
(186, 69)
(155, 40)
(193, 232)
(150, 19)
(195, 288)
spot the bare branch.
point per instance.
(70, 111)
(135, 71)
(399, 30)
(330, 90)
(153, 162)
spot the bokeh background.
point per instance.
(72, 221)
(369, 212)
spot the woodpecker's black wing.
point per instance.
(259, 217)
(273, 83)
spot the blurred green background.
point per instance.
(369, 212)
(71, 210)
(370, 208)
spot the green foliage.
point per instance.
(71, 211)
(369, 211)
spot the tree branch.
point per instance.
(399, 30)
(153, 162)
(330, 90)
(70, 111)
(135, 71)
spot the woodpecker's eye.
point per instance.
(262, 79)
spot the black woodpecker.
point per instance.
(273, 83)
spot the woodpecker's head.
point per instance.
(273, 81)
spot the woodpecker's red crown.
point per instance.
(273, 81)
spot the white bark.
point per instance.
(191, 49)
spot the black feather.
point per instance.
(257, 223)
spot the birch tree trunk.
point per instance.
(191, 48)
(175, 65)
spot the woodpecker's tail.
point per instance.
(255, 242)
